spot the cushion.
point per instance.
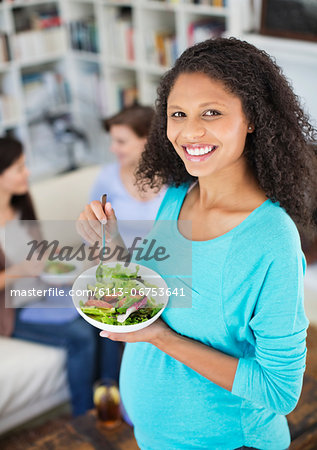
(29, 372)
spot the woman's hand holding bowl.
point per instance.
(152, 334)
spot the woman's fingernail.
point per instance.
(104, 334)
(104, 221)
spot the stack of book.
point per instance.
(161, 48)
(84, 35)
(31, 45)
(123, 36)
(39, 34)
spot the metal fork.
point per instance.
(103, 226)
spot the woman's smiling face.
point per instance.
(206, 125)
(14, 179)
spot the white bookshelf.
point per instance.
(98, 77)
(103, 67)
(145, 17)
(32, 51)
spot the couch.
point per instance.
(33, 376)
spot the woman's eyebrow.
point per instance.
(202, 104)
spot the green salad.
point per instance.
(119, 297)
(57, 267)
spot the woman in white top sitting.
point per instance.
(135, 210)
(128, 130)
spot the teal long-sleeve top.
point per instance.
(246, 300)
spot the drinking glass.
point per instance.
(107, 402)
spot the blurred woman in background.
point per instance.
(128, 130)
(135, 209)
(75, 335)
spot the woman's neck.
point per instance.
(228, 190)
(5, 200)
(127, 172)
(127, 175)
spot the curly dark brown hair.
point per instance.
(280, 151)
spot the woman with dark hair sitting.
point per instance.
(74, 335)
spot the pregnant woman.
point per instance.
(232, 143)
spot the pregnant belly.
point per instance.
(169, 402)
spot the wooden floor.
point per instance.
(312, 352)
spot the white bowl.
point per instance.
(62, 279)
(89, 277)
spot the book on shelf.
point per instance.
(9, 108)
(44, 92)
(203, 29)
(21, 2)
(84, 35)
(32, 44)
(214, 3)
(130, 55)
(38, 33)
(88, 91)
(123, 44)
(45, 16)
(127, 96)
(121, 34)
(161, 48)
(9, 102)
(5, 54)
(172, 1)
(48, 153)
(42, 21)
(67, 144)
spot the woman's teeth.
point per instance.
(200, 150)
